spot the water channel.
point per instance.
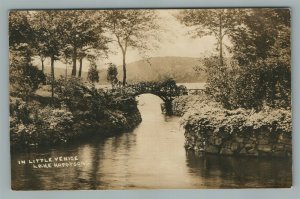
(151, 156)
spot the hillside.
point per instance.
(153, 69)
(157, 68)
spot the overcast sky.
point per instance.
(174, 42)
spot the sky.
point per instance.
(174, 41)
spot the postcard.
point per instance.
(150, 98)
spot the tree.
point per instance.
(47, 27)
(24, 77)
(131, 28)
(20, 31)
(93, 73)
(112, 73)
(83, 32)
(21, 35)
(66, 57)
(259, 71)
(262, 49)
(216, 22)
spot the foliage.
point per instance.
(93, 73)
(259, 72)
(20, 31)
(220, 23)
(83, 33)
(112, 73)
(263, 50)
(206, 115)
(32, 125)
(24, 77)
(80, 109)
(131, 28)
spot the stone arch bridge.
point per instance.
(167, 90)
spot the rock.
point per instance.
(218, 141)
(243, 151)
(263, 141)
(226, 151)
(264, 148)
(279, 147)
(212, 149)
(253, 152)
(285, 140)
(239, 139)
(249, 146)
(234, 146)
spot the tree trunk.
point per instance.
(80, 67)
(52, 77)
(124, 69)
(221, 40)
(74, 59)
(66, 71)
(42, 64)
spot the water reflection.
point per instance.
(151, 156)
(239, 172)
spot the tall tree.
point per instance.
(216, 22)
(132, 28)
(24, 77)
(262, 49)
(83, 32)
(48, 29)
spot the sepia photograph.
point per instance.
(114, 99)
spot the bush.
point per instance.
(93, 73)
(24, 77)
(32, 125)
(211, 116)
(80, 109)
(260, 83)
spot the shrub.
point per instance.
(212, 117)
(31, 124)
(24, 77)
(239, 86)
(93, 73)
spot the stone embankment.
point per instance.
(209, 128)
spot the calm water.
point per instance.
(152, 156)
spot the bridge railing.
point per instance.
(142, 88)
(196, 91)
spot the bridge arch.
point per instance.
(167, 90)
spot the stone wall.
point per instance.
(210, 128)
(259, 142)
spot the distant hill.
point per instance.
(61, 72)
(153, 69)
(157, 68)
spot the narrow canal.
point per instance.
(151, 156)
